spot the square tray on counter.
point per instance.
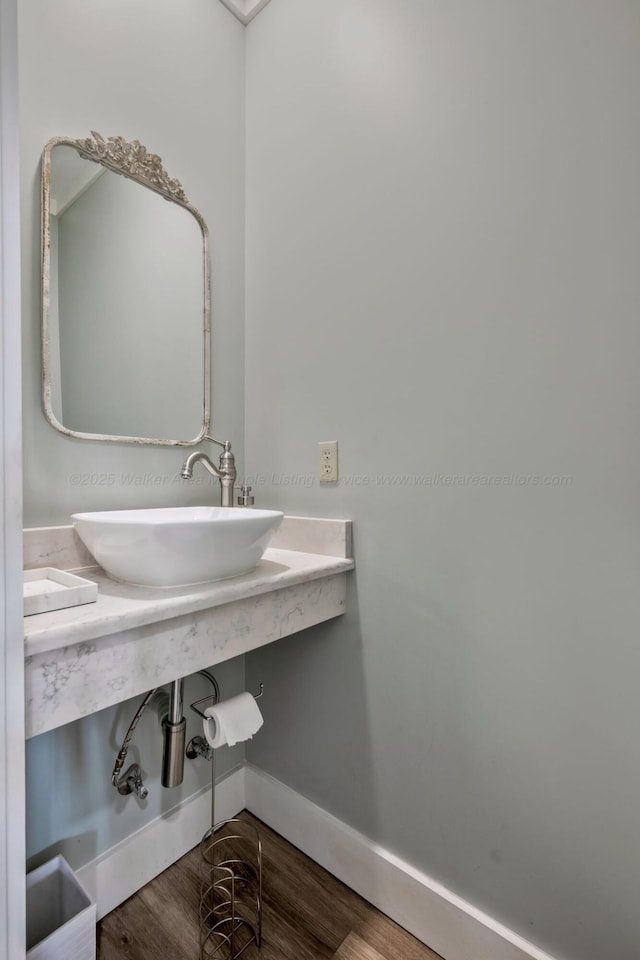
(50, 589)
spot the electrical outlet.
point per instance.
(328, 461)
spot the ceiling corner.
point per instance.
(245, 10)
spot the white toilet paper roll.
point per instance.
(232, 721)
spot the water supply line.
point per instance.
(122, 754)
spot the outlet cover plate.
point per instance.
(328, 461)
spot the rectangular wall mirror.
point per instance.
(125, 296)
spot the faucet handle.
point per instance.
(246, 498)
(221, 443)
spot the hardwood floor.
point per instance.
(307, 915)
(354, 948)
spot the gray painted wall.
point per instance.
(443, 225)
(144, 70)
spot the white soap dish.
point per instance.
(50, 589)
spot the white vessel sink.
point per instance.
(176, 546)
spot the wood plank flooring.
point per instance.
(307, 915)
(355, 948)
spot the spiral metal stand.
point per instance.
(230, 891)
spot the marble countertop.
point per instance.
(121, 606)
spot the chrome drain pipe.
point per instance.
(174, 728)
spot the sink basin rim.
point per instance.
(177, 546)
(170, 516)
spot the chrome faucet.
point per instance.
(225, 472)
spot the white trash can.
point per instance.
(61, 918)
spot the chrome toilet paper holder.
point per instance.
(230, 910)
(212, 699)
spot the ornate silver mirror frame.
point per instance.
(134, 161)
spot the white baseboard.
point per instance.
(119, 872)
(439, 918)
(444, 921)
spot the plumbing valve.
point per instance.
(198, 747)
(131, 782)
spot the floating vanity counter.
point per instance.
(83, 659)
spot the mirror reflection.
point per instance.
(125, 316)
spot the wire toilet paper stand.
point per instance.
(231, 880)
